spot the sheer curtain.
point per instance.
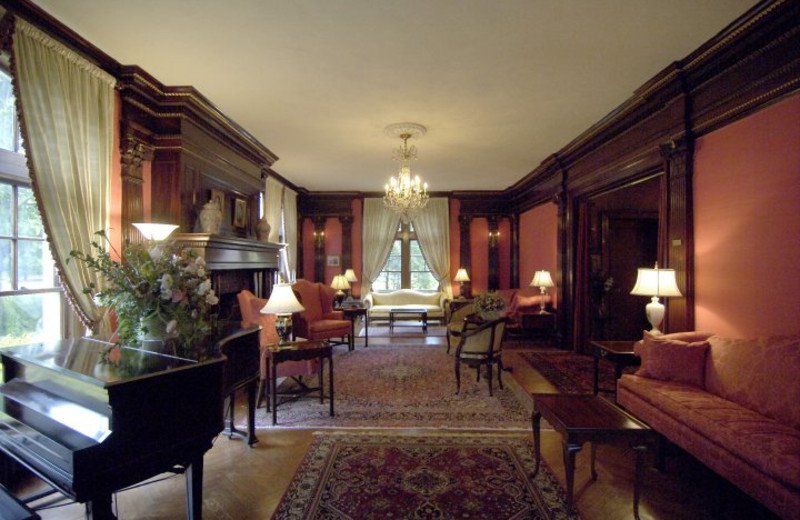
(379, 228)
(272, 209)
(290, 227)
(432, 226)
(67, 119)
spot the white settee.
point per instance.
(379, 303)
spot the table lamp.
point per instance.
(339, 283)
(461, 277)
(351, 277)
(282, 303)
(542, 280)
(655, 282)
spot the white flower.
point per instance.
(166, 286)
(155, 253)
(172, 327)
(211, 298)
(204, 287)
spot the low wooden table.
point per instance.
(581, 418)
(395, 313)
(299, 351)
(618, 352)
(352, 314)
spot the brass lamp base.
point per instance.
(283, 326)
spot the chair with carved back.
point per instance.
(481, 344)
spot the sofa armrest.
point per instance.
(367, 301)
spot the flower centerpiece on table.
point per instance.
(489, 305)
(154, 289)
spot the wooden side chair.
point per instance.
(481, 345)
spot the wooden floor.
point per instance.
(247, 483)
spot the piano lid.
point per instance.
(84, 359)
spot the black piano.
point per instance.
(90, 428)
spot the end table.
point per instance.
(618, 352)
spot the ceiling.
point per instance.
(500, 85)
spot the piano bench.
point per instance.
(12, 509)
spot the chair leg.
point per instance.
(489, 377)
(260, 392)
(448, 342)
(499, 372)
(458, 376)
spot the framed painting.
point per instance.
(239, 213)
(333, 261)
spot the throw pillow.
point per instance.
(689, 337)
(673, 360)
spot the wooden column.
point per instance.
(319, 249)
(514, 225)
(494, 253)
(133, 153)
(464, 222)
(347, 241)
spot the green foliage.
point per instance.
(163, 283)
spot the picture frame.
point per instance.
(239, 213)
(333, 261)
(219, 196)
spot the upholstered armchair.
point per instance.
(250, 307)
(456, 312)
(319, 320)
(481, 345)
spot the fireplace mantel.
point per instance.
(226, 253)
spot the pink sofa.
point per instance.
(734, 404)
(523, 300)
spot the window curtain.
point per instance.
(272, 208)
(432, 226)
(290, 228)
(66, 108)
(379, 228)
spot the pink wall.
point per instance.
(747, 225)
(479, 250)
(538, 245)
(308, 250)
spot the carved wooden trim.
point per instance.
(347, 241)
(465, 249)
(319, 249)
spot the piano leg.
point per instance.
(99, 508)
(194, 489)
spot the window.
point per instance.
(29, 293)
(405, 268)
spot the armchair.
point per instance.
(481, 344)
(250, 307)
(456, 312)
(319, 320)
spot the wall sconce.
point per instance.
(319, 238)
(494, 238)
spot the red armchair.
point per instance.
(250, 307)
(319, 320)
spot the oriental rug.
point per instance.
(415, 476)
(571, 372)
(408, 329)
(405, 387)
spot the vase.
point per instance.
(210, 217)
(490, 315)
(262, 230)
(152, 334)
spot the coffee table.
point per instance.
(581, 418)
(618, 352)
(396, 313)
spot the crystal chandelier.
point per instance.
(404, 195)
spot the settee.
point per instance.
(525, 300)
(379, 303)
(731, 403)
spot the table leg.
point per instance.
(594, 457)
(330, 381)
(596, 374)
(194, 489)
(351, 345)
(536, 420)
(321, 380)
(366, 329)
(569, 467)
(251, 415)
(273, 391)
(424, 322)
(637, 482)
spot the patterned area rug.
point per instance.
(431, 476)
(405, 387)
(408, 329)
(570, 372)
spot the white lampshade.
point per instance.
(340, 283)
(461, 275)
(542, 279)
(350, 275)
(656, 282)
(282, 301)
(156, 232)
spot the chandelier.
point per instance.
(404, 195)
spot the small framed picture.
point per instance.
(333, 261)
(219, 196)
(239, 213)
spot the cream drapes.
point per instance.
(290, 228)
(272, 208)
(432, 226)
(378, 230)
(67, 120)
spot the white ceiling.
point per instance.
(500, 84)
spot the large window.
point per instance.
(405, 268)
(30, 301)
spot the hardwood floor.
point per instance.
(247, 483)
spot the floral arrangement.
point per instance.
(490, 302)
(153, 289)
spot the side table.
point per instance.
(538, 324)
(299, 351)
(618, 352)
(352, 314)
(581, 418)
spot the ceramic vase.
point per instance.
(210, 217)
(262, 230)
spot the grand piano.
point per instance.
(90, 428)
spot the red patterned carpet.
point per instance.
(570, 372)
(431, 476)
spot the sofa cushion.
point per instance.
(760, 374)
(673, 360)
(770, 446)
